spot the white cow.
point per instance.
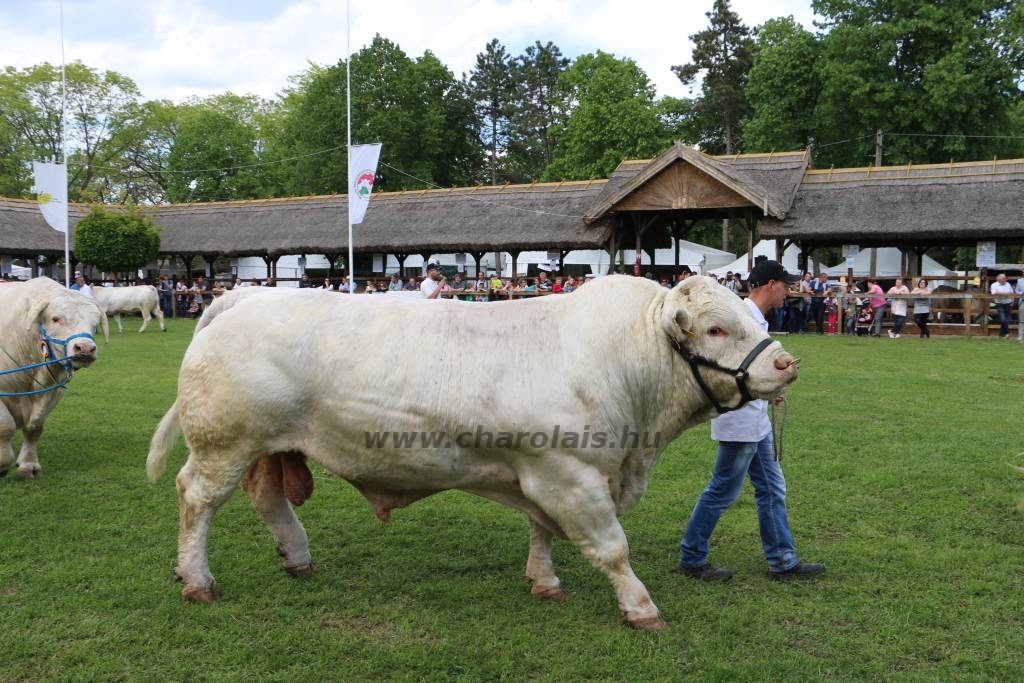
(116, 301)
(40, 321)
(271, 380)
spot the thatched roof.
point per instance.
(24, 231)
(766, 181)
(948, 203)
(535, 216)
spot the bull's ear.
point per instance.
(35, 311)
(676, 319)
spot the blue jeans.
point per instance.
(736, 459)
(1005, 313)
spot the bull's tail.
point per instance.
(163, 439)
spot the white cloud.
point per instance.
(180, 48)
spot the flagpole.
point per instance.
(348, 148)
(64, 144)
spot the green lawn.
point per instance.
(896, 457)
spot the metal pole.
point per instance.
(348, 154)
(64, 143)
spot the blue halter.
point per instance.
(66, 363)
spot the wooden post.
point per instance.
(515, 261)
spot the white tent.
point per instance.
(764, 248)
(887, 265)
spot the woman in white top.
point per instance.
(922, 307)
(898, 308)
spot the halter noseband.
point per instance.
(740, 373)
(67, 363)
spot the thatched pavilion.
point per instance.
(643, 205)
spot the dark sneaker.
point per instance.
(706, 572)
(804, 570)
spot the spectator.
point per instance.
(256, 282)
(411, 285)
(805, 289)
(83, 286)
(238, 283)
(557, 287)
(819, 288)
(370, 287)
(683, 274)
(746, 448)
(570, 285)
(271, 282)
(458, 284)
(663, 281)
(345, 285)
(898, 307)
(922, 307)
(304, 282)
(851, 306)
(794, 309)
(181, 293)
(732, 281)
(543, 284)
(433, 284)
(1019, 291)
(865, 319)
(1004, 303)
(326, 285)
(395, 283)
(831, 313)
(876, 298)
(164, 290)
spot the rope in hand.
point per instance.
(779, 427)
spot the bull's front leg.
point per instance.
(28, 458)
(7, 429)
(539, 569)
(578, 499)
(145, 319)
(117, 319)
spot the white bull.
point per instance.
(117, 301)
(489, 382)
(36, 319)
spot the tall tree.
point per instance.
(490, 87)
(723, 54)
(536, 110)
(614, 117)
(782, 87)
(939, 72)
(99, 108)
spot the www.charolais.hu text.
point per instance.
(489, 439)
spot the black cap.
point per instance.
(765, 271)
(433, 265)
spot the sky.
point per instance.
(176, 49)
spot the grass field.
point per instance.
(896, 457)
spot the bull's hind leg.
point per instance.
(264, 482)
(7, 429)
(146, 317)
(202, 489)
(117, 319)
(578, 500)
(539, 569)
(158, 312)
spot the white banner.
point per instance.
(362, 168)
(986, 256)
(52, 191)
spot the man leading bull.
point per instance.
(745, 448)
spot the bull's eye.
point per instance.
(716, 331)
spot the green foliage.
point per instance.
(723, 55)
(782, 88)
(213, 155)
(613, 117)
(536, 111)
(116, 241)
(100, 108)
(490, 87)
(906, 497)
(942, 71)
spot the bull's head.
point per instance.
(66, 321)
(730, 356)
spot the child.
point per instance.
(831, 313)
(865, 319)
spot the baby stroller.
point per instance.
(865, 319)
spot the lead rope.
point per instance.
(779, 427)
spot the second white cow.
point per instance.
(117, 301)
(566, 430)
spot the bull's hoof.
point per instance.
(27, 472)
(654, 624)
(3, 472)
(201, 594)
(556, 593)
(302, 571)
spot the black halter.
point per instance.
(739, 373)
